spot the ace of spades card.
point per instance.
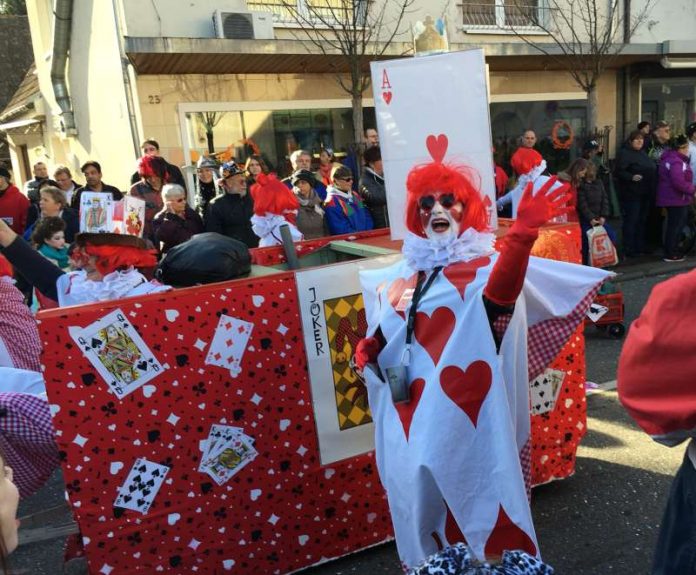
(141, 486)
(117, 352)
(229, 344)
(433, 108)
(544, 390)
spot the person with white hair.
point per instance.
(177, 222)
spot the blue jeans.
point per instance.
(676, 543)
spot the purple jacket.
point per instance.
(674, 180)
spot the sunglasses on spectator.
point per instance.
(345, 179)
(427, 203)
(178, 200)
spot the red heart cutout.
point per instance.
(397, 289)
(462, 274)
(468, 389)
(433, 332)
(437, 146)
(406, 409)
(387, 97)
(507, 535)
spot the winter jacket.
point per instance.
(674, 180)
(153, 205)
(171, 230)
(310, 217)
(374, 195)
(593, 201)
(345, 212)
(630, 162)
(230, 215)
(14, 206)
(692, 159)
(204, 195)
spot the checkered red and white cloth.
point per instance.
(27, 440)
(19, 335)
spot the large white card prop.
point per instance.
(327, 296)
(129, 216)
(96, 212)
(432, 108)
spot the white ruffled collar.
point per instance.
(112, 286)
(423, 254)
(266, 228)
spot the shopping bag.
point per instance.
(602, 252)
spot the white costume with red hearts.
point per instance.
(450, 458)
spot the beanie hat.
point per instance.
(207, 162)
(524, 160)
(305, 175)
(230, 169)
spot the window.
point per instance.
(495, 14)
(317, 11)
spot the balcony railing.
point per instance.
(317, 12)
(505, 14)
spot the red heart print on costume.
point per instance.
(433, 332)
(507, 535)
(462, 274)
(397, 289)
(406, 409)
(453, 534)
(437, 147)
(387, 97)
(468, 389)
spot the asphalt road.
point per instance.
(602, 520)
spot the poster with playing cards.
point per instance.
(96, 212)
(117, 352)
(225, 452)
(141, 486)
(129, 215)
(433, 108)
(544, 390)
(229, 344)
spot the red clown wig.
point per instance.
(149, 166)
(524, 160)
(271, 196)
(444, 178)
(114, 252)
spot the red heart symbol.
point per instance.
(437, 146)
(397, 289)
(433, 332)
(462, 274)
(387, 97)
(406, 409)
(507, 535)
(468, 389)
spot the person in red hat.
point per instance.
(456, 331)
(274, 206)
(109, 267)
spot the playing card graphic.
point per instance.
(225, 452)
(229, 344)
(596, 312)
(117, 352)
(544, 390)
(141, 486)
(96, 212)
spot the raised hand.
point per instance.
(535, 210)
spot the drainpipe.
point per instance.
(61, 45)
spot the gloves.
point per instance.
(507, 277)
(366, 352)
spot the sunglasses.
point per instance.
(178, 200)
(346, 179)
(427, 203)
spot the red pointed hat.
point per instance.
(436, 178)
(524, 160)
(271, 196)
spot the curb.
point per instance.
(657, 270)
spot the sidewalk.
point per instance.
(652, 265)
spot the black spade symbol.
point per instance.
(96, 342)
(142, 365)
(182, 360)
(266, 343)
(206, 487)
(118, 512)
(175, 561)
(88, 379)
(152, 436)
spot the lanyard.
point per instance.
(421, 288)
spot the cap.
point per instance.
(4, 173)
(305, 175)
(207, 162)
(230, 169)
(590, 145)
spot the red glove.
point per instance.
(507, 277)
(366, 352)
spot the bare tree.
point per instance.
(586, 36)
(353, 31)
(208, 89)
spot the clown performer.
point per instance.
(274, 206)
(529, 167)
(456, 331)
(109, 268)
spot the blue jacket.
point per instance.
(345, 213)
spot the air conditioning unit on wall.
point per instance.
(243, 25)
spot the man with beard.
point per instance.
(93, 183)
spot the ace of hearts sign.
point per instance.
(433, 108)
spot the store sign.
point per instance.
(433, 108)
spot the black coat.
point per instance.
(72, 223)
(593, 201)
(374, 195)
(171, 230)
(630, 162)
(204, 195)
(230, 215)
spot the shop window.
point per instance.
(669, 99)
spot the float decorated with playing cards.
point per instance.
(223, 428)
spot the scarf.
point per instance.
(311, 201)
(423, 254)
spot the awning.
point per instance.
(18, 124)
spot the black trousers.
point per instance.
(676, 219)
